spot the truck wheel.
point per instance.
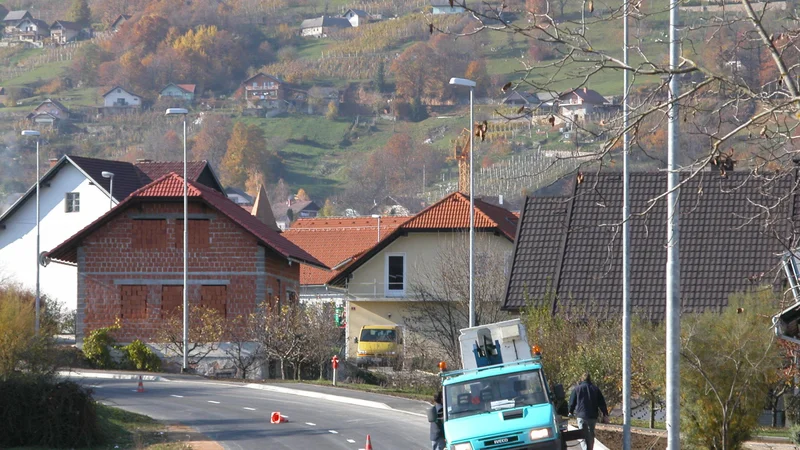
(563, 444)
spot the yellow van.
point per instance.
(378, 345)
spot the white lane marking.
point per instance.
(176, 396)
(351, 441)
(212, 401)
(311, 424)
(249, 409)
(333, 431)
(134, 390)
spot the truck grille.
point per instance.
(500, 441)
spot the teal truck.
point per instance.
(500, 399)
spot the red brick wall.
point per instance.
(111, 259)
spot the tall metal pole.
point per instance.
(185, 256)
(111, 194)
(626, 260)
(673, 241)
(38, 245)
(471, 215)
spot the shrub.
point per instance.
(793, 408)
(794, 434)
(38, 411)
(97, 347)
(137, 355)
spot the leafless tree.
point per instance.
(206, 328)
(324, 338)
(281, 334)
(738, 74)
(440, 306)
(242, 346)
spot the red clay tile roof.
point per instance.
(333, 240)
(170, 187)
(187, 87)
(452, 212)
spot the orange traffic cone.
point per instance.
(368, 445)
(278, 418)
(141, 386)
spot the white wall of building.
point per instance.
(18, 239)
(119, 93)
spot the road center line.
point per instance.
(212, 401)
(311, 424)
(351, 441)
(249, 409)
(176, 396)
(333, 431)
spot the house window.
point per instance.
(72, 202)
(214, 297)
(149, 234)
(171, 300)
(395, 275)
(291, 296)
(133, 302)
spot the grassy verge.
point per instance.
(127, 430)
(414, 395)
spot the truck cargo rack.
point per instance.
(454, 373)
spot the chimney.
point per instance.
(585, 89)
(53, 161)
(289, 201)
(500, 199)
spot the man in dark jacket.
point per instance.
(435, 417)
(585, 402)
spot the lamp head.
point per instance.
(376, 216)
(31, 133)
(176, 111)
(106, 174)
(462, 82)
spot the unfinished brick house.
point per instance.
(130, 260)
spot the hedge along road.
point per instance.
(238, 417)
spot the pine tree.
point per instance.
(327, 209)
(79, 12)
(380, 77)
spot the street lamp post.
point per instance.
(38, 296)
(183, 112)
(378, 216)
(471, 85)
(110, 175)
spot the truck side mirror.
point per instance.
(558, 393)
(355, 340)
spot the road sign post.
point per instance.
(335, 364)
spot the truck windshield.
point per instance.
(372, 335)
(494, 394)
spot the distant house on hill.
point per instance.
(49, 112)
(12, 18)
(118, 22)
(319, 97)
(63, 31)
(3, 96)
(185, 92)
(445, 7)
(579, 103)
(303, 209)
(33, 30)
(321, 26)
(238, 196)
(357, 17)
(3, 11)
(262, 91)
(118, 100)
(520, 98)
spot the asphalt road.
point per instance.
(239, 417)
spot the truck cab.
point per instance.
(378, 345)
(500, 399)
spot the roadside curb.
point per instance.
(113, 376)
(597, 444)
(333, 398)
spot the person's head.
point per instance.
(437, 397)
(587, 377)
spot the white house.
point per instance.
(357, 17)
(321, 26)
(119, 98)
(73, 193)
(33, 30)
(444, 7)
